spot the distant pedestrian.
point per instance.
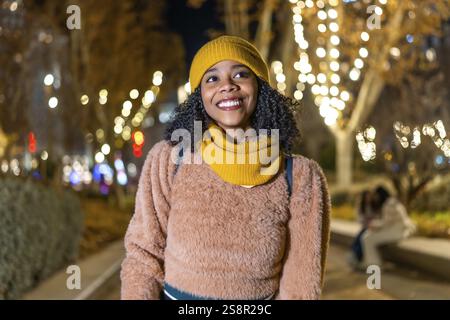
(393, 225)
(365, 214)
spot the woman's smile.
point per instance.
(230, 104)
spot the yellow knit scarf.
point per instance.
(254, 161)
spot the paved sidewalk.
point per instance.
(344, 284)
(396, 282)
(96, 273)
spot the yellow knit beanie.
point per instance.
(226, 48)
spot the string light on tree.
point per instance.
(412, 138)
(327, 73)
(49, 79)
(84, 99)
(277, 68)
(53, 102)
(366, 144)
(103, 96)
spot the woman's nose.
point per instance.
(228, 85)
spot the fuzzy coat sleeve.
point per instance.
(308, 234)
(142, 272)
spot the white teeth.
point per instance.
(229, 103)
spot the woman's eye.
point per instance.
(242, 74)
(213, 77)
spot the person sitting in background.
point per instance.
(393, 225)
(365, 214)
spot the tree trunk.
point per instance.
(264, 32)
(119, 196)
(344, 158)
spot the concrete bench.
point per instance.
(426, 254)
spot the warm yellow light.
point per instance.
(321, 78)
(117, 129)
(359, 63)
(134, 94)
(365, 36)
(106, 149)
(322, 28)
(13, 6)
(322, 15)
(334, 53)
(311, 79)
(103, 100)
(334, 91)
(363, 52)
(99, 157)
(334, 65)
(335, 40)
(44, 155)
(332, 13)
(126, 112)
(157, 81)
(100, 134)
(298, 95)
(149, 97)
(315, 89)
(103, 93)
(395, 52)
(354, 74)
(334, 27)
(49, 79)
(138, 138)
(281, 86)
(320, 52)
(53, 102)
(84, 99)
(335, 78)
(378, 11)
(333, 3)
(281, 77)
(345, 95)
(127, 105)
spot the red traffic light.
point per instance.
(31, 142)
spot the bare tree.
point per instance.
(408, 155)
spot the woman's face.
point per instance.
(229, 92)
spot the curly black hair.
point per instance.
(273, 111)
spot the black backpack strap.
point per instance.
(289, 173)
(177, 165)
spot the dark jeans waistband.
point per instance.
(171, 293)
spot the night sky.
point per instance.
(192, 24)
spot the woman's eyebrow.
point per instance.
(232, 67)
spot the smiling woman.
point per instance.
(229, 230)
(229, 91)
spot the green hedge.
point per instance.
(435, 200)
(40, 231)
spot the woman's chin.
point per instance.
(232, 124)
